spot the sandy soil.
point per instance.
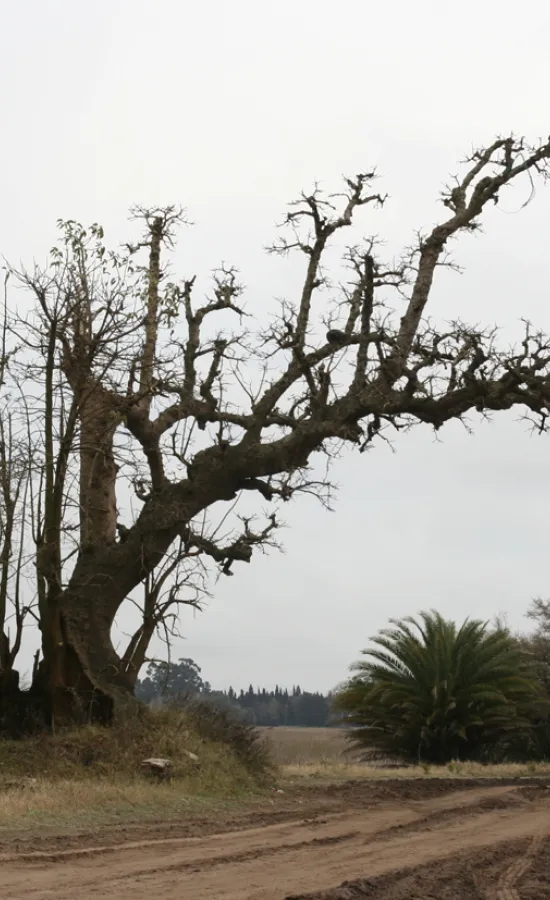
(388, 841)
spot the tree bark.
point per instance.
(82, 678)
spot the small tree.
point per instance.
(148, 414)
(166, 680)
(428, 690)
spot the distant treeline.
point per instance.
(166, 682)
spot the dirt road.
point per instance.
(405, 840)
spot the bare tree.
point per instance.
(156, 394)
(15, 471)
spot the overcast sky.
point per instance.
(230, 108)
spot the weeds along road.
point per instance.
(492, 841)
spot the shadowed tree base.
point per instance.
(49, 704)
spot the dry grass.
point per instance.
(93, 775)
(74, 803)
(90, 776)
(350, 770)
(305, 746)
(324, 753)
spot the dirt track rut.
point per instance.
(294, 857)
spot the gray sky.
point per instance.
(232, 108)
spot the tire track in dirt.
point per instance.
(506, 888)
(301, 800)
(467, 875)
(266, 863)
(400, 815)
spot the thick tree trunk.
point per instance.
(78, 682)
(82, 678)
(82, 675)
(91, 683)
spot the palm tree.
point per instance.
(429, 690)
